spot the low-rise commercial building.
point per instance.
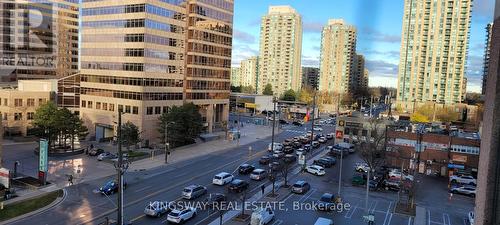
(18, 104)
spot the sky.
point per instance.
(379, 33)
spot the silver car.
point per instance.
(193, 191)
(158, 208)
(464, 190)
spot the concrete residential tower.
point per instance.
(249, 70)
(338, 52)
(280, 50)
(142, 57)
(434, 44)
(486, 57)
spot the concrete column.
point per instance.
(487, 209)
(210, 117)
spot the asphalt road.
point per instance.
(84, 206)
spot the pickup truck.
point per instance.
(463, 179)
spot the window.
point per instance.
(111, 107)
(120, 108)
(127, 109)
(104, 106)
(97, 105)
(157, 110)
(84, 104)
(31, 115)
(18, 116)
(5, 102)
(135, 110)
(89, 104)
(18, 102)
(30, 102)
(41, 101)
(149, 111)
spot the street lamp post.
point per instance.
(167, 141)
(312, 128)
(120, 168)
(274, 124)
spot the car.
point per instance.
(238, 185)
(296, 138)
(282, 121)
(326, 202)
(307, 147)
(322, 140)
(180, 216)
(105, 156)
(463, 179)
(362, 167)
(315, 170)
(396, 174)
(245, 169)
(297, 123)
(275, 165)
(215, 200)
(373, 185)
(278, 154)
(317, 128)
(95, 151)
(315, 144)
(158, 208)
(290, 158)
(288, 149)
(193, 191)
(287, 142)
(222, 178)
(300, 151)
(264, 160)
(305, 139)
(332, 160)
(336, 152)
(277, 147)
(300, 187)
(470, 217)
(261, 216)
(297, 144)
(111, 187)
(258, 174)
(464, 190)
(323, 221)
(391, 184)
(124, 157)
(358, 179)
(323, 163)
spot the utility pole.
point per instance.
(239, 121)
(167, 145)
(371, 106)
(274, 123)
(1, 140)
(119, 169)
(312, 121)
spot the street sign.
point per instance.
(341, 123)
(339, 134)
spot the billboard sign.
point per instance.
(5, 177)
(43, 155)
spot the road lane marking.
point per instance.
(209, 215)
(372, 207)
(428, 217)
(446, 219)
(142, 189)
(290, 195)
(277, 222)
(349, 212)
(304, 197)
(389, 221)
(387, 214)
(409, 220)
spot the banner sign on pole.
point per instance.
(43, 160)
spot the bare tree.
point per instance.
(373, 149)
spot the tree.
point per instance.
(447, 114)
(289, 95)
(419, 118)
(130, 134)
(372, 150)
(306, 95)
(183, 124)
(268, 90)
(247, 89)
(235, 88)
(54, 124)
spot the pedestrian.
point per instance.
(87, 151)
(262, 188)
(70, 179)
(451, 195)
(91, 146)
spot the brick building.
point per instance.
(441, 153)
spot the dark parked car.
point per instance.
(297, 144)
(238, 185)
(245, 169)
(326, 202)
(297, 123)
(283, 121)
(315, 144)
(288, 150)
(307, 147)
(290, 158)
(330, 159)
(322, 162)
(215, 200)
(111, 187)
(95, 151)
(264, 160)
(391, 184)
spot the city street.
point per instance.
(84, 205)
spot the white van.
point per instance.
(347, 146)
(222, 178)
(261, 216)
(277, 147)
(323, 221)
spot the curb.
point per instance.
(55, 203)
